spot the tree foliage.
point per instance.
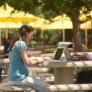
(2, 2)
(51, 8)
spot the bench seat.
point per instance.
(6, 87)
(53, 88)
(70, 87)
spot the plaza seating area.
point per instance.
(62, 79)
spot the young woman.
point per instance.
(19, 61)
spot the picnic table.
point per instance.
(64, 70)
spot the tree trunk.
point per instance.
(76, 32)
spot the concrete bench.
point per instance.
(5, 87)
(70, 87)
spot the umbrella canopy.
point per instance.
(61, 17)
(38, 24)
(9, 15)
(9, 25)
(17, 19)
(60, 24)
(87, 25)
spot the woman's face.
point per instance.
(29, 36)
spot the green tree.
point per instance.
(52, 8)
(2, 2)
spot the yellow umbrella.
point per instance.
(63, 17)
(86, 25)
(61, 24)
(17, 19)
(39, 24)
(7, 15)
(9, 25)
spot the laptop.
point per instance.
(58, 53)
(62, 51)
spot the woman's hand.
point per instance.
(40, 60)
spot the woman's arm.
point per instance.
(26, 59)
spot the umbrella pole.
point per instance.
(42, 39)
(0, 36)
(63, 35)
(86, 37)
(6, 33)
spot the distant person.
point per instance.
(6, 45)
(19, 61)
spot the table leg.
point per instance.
(63, 75)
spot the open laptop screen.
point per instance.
(58, 53)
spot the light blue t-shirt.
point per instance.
(17, 69)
